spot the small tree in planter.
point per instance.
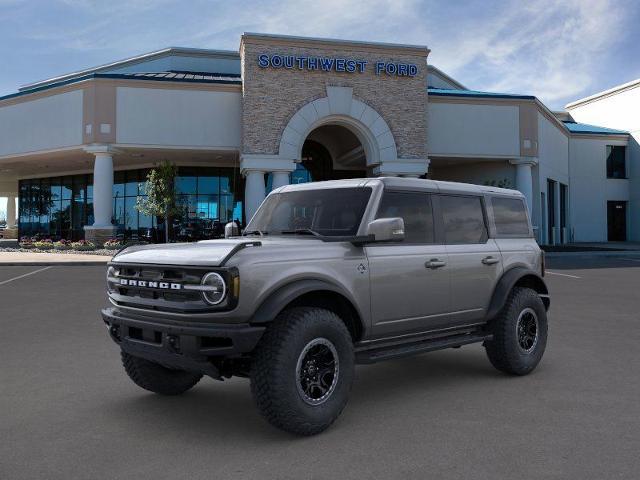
(161, 197)
(504, 183)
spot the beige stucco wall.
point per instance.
(468, 129)
(54, 121)
(272, 96)
(178, 117)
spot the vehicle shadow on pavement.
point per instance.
(226, 410)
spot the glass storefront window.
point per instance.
(60, 207)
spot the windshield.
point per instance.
(327, 211)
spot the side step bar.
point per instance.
(382, 352)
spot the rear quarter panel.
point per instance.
(519, 252)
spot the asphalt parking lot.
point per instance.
(68, 411)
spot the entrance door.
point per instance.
(617, 221)
(410, 287)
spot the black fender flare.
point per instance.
(506, 283)
(284, 295)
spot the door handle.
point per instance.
(434, 263)
(490, 260)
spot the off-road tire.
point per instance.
(274, 375)
(504, 351)
(156, 378)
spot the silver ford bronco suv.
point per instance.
(327, 275)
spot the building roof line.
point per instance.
(585, 128)
(447, 77)
(445, 92)
(272, 36)
(122, 76)
(132, 61)
(605, 93)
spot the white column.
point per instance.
(280, 179)
(11, 212)
(253, 166)
(253, 192)
(103, 190)
(524, 179)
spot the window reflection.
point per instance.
(59, 207)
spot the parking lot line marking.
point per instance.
(562, 274)
(25, 275)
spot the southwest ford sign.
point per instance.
(335, 64)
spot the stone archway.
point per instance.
(340, 108)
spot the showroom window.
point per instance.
(60, 207)
(56, 207)
(616, 161)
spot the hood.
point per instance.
(212, 253)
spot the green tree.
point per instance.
(161, 196)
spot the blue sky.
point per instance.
(557, 50)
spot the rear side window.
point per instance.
(463, 219)
(415, 209)
(510, 216)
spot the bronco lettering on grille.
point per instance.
(148, 284)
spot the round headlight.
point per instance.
(216, 288)
(111, 273)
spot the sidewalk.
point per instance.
(32, 258)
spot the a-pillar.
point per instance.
(102, 228)
(254, 167)
(524, 178)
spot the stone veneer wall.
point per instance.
(271, 96)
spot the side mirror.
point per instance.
(386, 229)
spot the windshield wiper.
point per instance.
(302, 231)
(255, 232)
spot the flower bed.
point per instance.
(83, 245)
(114, 244)
(62, 245)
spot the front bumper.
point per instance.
(184, 346)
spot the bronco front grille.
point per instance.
(157, 288)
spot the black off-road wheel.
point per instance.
(156, 378)
(302, 370)
(519, 333)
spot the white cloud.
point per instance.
(546, 48)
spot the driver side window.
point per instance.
(415, 209)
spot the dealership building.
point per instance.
(75, 149)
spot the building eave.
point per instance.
(116, 76)
(605, 93)
(133, 61)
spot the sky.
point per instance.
(557, 50)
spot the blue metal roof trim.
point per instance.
(444, 92)
(585, 128)
(226, 79)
